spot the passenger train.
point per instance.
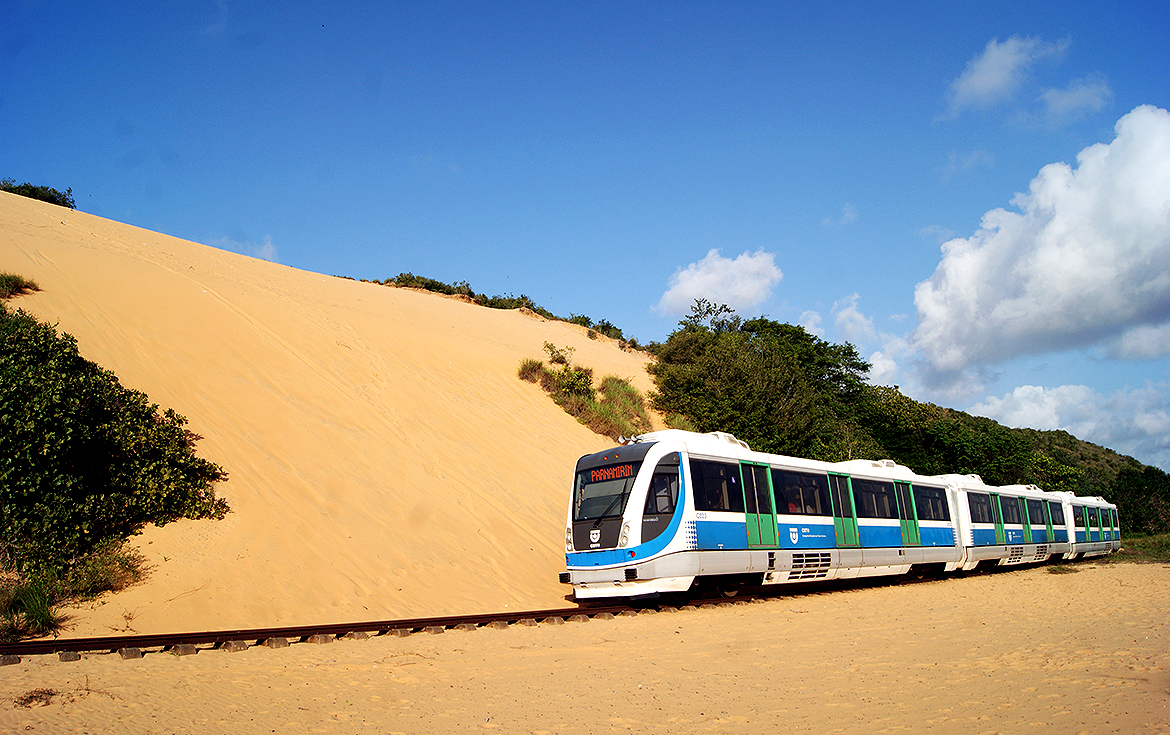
(671, 509)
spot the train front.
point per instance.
(622, 534)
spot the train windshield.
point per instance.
(602, 492)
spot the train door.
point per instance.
(757, 495)
(844, 515)
(998, 518)
(907, 515)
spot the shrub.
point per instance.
(43, 193)
(619, 411)
(84, 462)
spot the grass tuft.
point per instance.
(30, 605)
(13, 285)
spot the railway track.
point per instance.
(134, 646)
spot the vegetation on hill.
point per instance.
(613, 409)
(84, 464)
(783, 390)
(508, 301)
(44, 193)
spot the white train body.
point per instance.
(668, 508)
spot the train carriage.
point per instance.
(670, 508)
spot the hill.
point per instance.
(383, 458)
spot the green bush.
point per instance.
(84, 462)
(43, 193)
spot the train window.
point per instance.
(602, 492)
(1078, 516)
(662, 497)
(1057, 511)
(874, 499)
(1036, 515)
(1011, 509)
(756, 490)
(801, 493)
(931, 503)
(980, 505)
(716, 486)
(1113, 512)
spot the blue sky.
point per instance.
(975, 195)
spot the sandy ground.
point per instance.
(384, 459)
(1011, 652)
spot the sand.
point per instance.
(1010, 652)
(385, 461)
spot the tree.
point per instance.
(43, 193)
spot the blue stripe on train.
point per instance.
(932, 536)
(720, 535)
(879, 536)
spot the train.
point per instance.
(668, 511)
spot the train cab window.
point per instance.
(931, 503)
(1036, 515)
(716, 486)
(980, 504)
(1011, 509)
(874, 499)
(602, 492)
(1057, 511)
(1078, 516)
(801, 493)
(662, 497)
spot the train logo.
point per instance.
(594, 535)
(793, 534)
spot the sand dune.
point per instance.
(384, 459)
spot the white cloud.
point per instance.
(998, 73)
(1079, 98)
(1085, 261)
(848, 216)
(960, 163)
(1134, 422)
(811, 321)
(264, 250)
(742, 283)
(854, 325)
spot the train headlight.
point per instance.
(568, 539)
(625, 537)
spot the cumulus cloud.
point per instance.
(1134, 422)
(998, 73)
(1085, 261)
(811, 321)
(851, 323)
(742, 283)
